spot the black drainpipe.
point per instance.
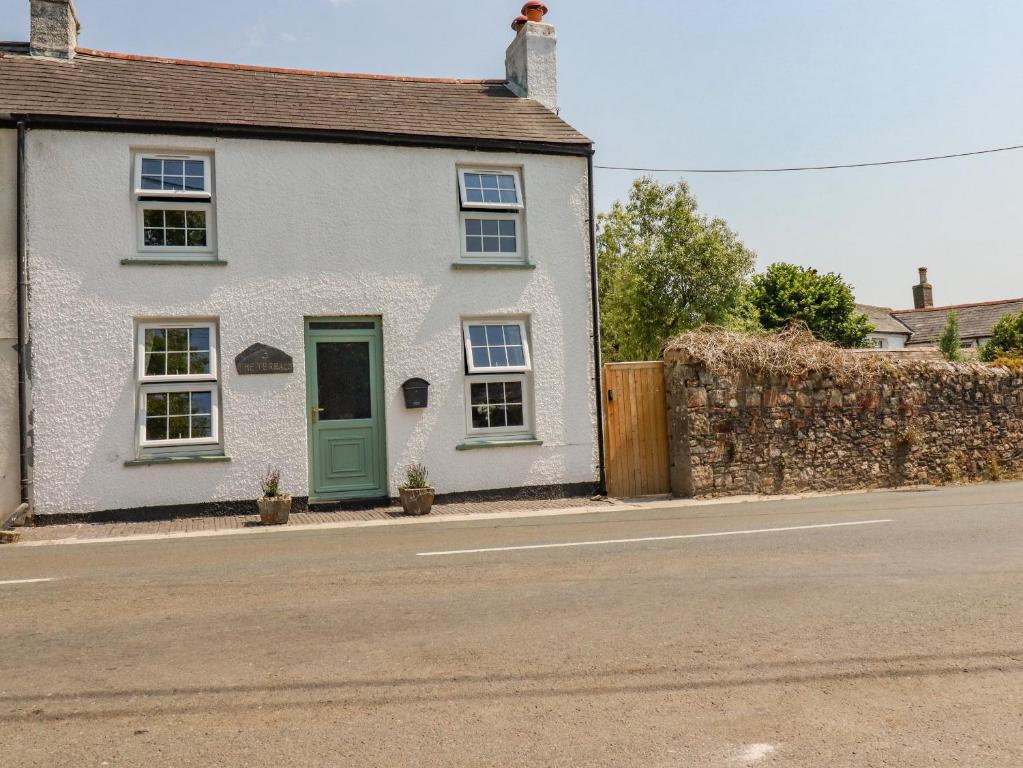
(24, 344)
(598, 377)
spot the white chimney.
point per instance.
(54, 29)
(532, 59)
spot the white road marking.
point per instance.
(24, 581)
(651, 538)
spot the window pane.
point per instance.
(495, 335)
(177, 339)
(152, 218)
(156, 340)
(177, 364)
(156, 364)
(156, 404)
(195, 183)
(478, 335)
(479, 394)
(154, 238)
(174, 168)
(179, 403)
(512, 335)
(498, 357)
(491, 196)
(473, 227)
(202, 426)
(472, 180)
(516, 356)
(152, 166)
(495, 392)
(156, 429)
(174, 182)
(474, 195)
(196, 220)
(175, 219)
(195, 168)
(178, 428)
(199, 339)
(506, 182)
(481, 417)
(197, 238)
(509, 245)
(199, 363)
(176, 238)
(474, 245)
(343, 380)
(202, 403)
(491, 228)
(513, 391)
(516, 416)
(489, 181)
(507, 228)
(491, 245)
(152, 182)
(480, 358)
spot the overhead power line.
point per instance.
(813, 167)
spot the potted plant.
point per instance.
(274, 506)
(416, 494)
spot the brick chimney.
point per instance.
(54, 29)
(532, 60)
(923, 294)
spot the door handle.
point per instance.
(315, 413)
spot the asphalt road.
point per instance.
(885, 644)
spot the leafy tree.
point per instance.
(787, 293)
(663, 269)
(951, 343)
(1006, 339)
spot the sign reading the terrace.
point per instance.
(260, 359)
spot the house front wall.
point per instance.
(307, 230)
(10, 477)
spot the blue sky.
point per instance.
(716, 83)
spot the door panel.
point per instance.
(346, 421)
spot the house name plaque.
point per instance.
(260, 359)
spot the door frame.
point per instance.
(379, 404)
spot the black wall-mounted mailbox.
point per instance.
(417, 393)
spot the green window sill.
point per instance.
(152, 461)
(473, 266)
(481, 445)
(142, 261)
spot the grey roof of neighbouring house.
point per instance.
(882, 320)
(97, 85)
(975, 320)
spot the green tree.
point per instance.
(787, 293)
(1006, 339)
(951, 343)
(663, 269)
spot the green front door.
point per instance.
(344, 385)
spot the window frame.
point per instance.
(140, 341)
(473, 370)
(525, 431)
(142, 194)
(466, 205)
(212, 387)
(149, 204)
(518, 257)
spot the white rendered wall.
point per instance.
(891, 340)
(10, 468)
(308, 230)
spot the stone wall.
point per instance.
(736, 433)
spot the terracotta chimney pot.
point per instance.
(535, 11)
(519, 23)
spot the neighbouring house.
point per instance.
(923, 325)
(233, 267)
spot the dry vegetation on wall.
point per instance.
(796, 352)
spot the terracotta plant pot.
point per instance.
(417, 501)
(534, 11)
(276, 511)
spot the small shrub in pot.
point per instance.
(274, 506)
(416, 494)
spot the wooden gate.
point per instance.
(636, 430)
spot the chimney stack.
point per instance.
(532, 61)
(923, 294)
(55, 29)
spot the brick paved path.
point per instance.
(187, 525)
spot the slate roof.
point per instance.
(881, 318)
(975, 320)
(100, 85)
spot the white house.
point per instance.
(232, 267)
